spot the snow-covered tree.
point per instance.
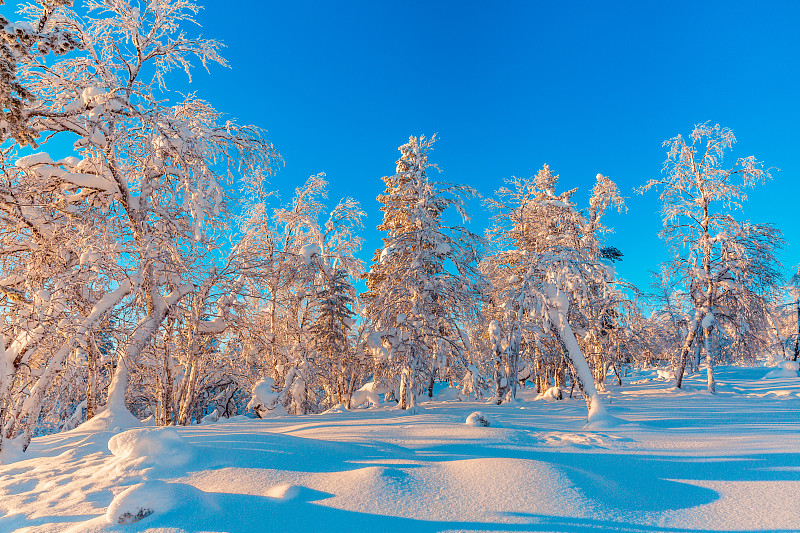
(727, 267)
(20, 40)
(548, 277)
(340, 366)
(423, 284)
(123, 216)
(294, 257)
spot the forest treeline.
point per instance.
(146, 265)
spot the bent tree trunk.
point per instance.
(582, 374)
(144, 332)
(32, 407)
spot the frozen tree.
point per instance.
(423, 284)
(661, 334)
(298, 265)
(341, 367)
(123, 216)
(548, 278)
(20, 40)
(788, 318)
(727, 267)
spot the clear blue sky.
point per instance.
(586, 87)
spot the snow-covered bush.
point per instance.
(481, 419)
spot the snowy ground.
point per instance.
(684, 461)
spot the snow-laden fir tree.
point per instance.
(20, 40)
(423, 285)
(549, 282)
(726, 267)
(340, 366)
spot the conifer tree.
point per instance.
(423, 284)
(338, 364)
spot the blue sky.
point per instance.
(586, 87)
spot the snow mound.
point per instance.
(665, 374)
(152, 446)
(785, 369)
(480, 419)
(155, 497)
(12, 451)
(368, 394)
(448, 394)
(600, 418)
(553, 394)
(114, 420)
(335, 410)
(210, 418)
(284, 491)
(603, 421)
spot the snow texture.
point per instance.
(162, 447)
(785, 369)
(386, 470)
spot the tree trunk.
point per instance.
(600, 365)
(432, 378)
(696, 362)
(513, 361)
(407, 388)
(142, 335)
(501, 381)
(91, 381)
(712, 386)
(797, 338)
(582, 374)
(692, 332)
(167, 391)
(539, 372)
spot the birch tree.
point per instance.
(19, 41)
(141, 194)
(726, 266)
(299, 269)
(546, 273)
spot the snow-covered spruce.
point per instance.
(423, 286)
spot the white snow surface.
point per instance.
(677, 460)
(784, 369)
